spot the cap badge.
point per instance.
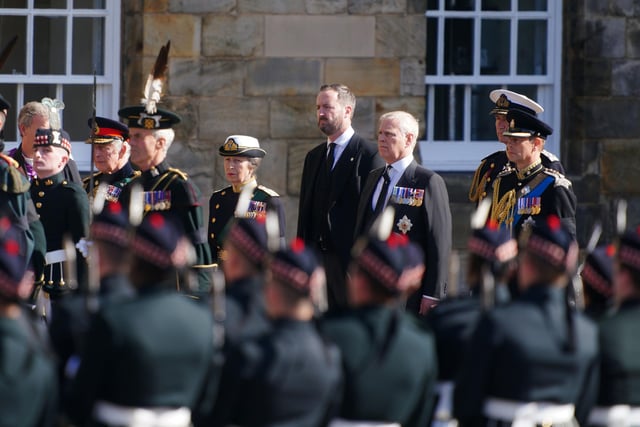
(512, 124)
(149, 122)
(404, 224)
(503, 101)
(56, 138)
(230, 145)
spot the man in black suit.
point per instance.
(419, 197)
(332, 180)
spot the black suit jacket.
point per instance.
(430, 223)
(348, 177)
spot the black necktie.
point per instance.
(383, 191)
(331, 157)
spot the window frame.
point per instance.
(465, 155)
(107, 84)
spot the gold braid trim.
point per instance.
(478, 184)
(502, 209)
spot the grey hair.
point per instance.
(406, 122)
(168, 135)
(30, 110)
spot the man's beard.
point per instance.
(327, 127)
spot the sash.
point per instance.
(529, 193)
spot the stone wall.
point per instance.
(254, 67)
(601, 109)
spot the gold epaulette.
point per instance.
(269, 191)
(10, 160)
(180, 173)
(502, 207)
(477, 184)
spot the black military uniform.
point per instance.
(170, 189)
(64, 210)
(288, 376)
(519, 197)
(108, 131)
(28, 386)
(535, 350)
(222, 204)
(498, 162)
(151, 353)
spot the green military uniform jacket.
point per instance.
(620, 354)
(523, 352)
(154, 350)
(389, 365)
(166, 188)
(28, 382)
(16, 203)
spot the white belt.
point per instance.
(116, 415)
(53, 257)
(339, 422)
(526, 414)
(443, 413)
(617, 415)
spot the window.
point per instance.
(60, 44)
(473, 47)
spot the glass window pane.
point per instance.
(50, 4)
(432, 46)
(39, 91)
(14, 4)
(88, 4)
(11, 26)
(500, 5)
(459, 4)
(532, 47)
(433, 4)
(448, 112)
(8, 92)
(482, 123)
(495, 44)
(458, 54)
(88, 46)
(77, 100)
(49, 45)
(539, 5)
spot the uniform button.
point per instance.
(38, 205)
(217, 205)
(213, 236)
(223, 193)
(488, 179)
(484, 193)
(41, 194)
(213, 220)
